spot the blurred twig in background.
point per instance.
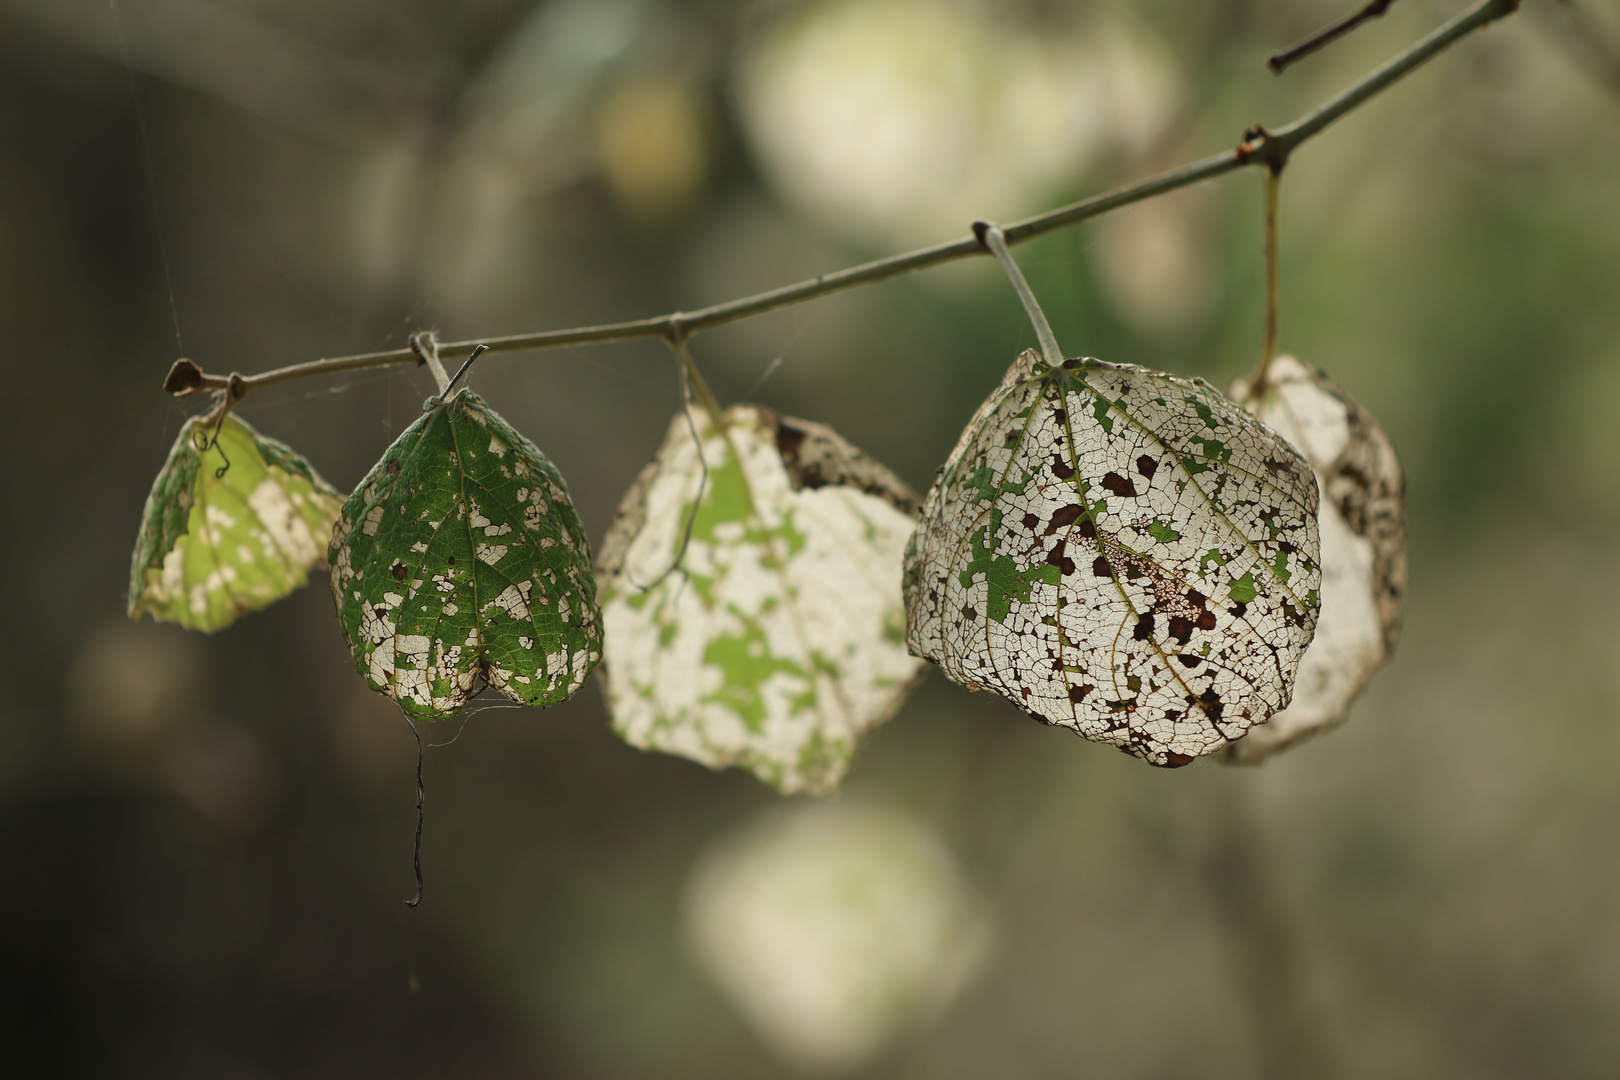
(1593, 47)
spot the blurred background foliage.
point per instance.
(206, 839)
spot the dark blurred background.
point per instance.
(204, 841)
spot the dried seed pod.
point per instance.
(1122, 552)
(460, 557)
(1363, 549)
(751, 595)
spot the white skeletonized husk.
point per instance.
(1122, 552)
(765, 629)
(1363, 549)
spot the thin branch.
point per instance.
(1259, 147)
(1481, 14)
(1328, 34)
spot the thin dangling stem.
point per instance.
(1268, 351)
(416, 849)
(992, 238)
(691, 379)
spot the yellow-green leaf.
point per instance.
(232, 525)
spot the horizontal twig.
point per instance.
(1259, 147)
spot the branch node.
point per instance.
(1259, 144)
(676, 331)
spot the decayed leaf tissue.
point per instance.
(1363, 548)
(1122, 552)
(751, 598)
(460, 557)
(234, 522)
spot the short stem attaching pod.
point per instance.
(1268, 350)
(991, 237)
(425, 344)
(692, 379)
